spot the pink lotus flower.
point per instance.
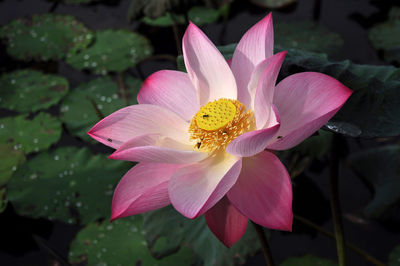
(203, 139)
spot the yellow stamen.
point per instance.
(219, 122)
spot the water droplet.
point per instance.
(35, 140)
(86, 57)
(56, 158)
(110, 227)
(79, 204)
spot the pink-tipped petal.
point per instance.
(253, 142)
(263, 192)
(226, 222)
(157, 148)
(137, 120)
(207, 68)
(266, 79)
(306, 101)
(143, 188)
(172, 90)
(195, 188)
(255, 46)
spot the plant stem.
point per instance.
(122, 87)
(334, 200)
(96, 109)
(264, 244)
(351, 246)
(176, 34)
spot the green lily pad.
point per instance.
(307, 36)
(164, 21)
(385, 36)
(112, 51)
(87, 103)
(155, 8)
(30, 90)
(380, 167)
(180, 231)
(203, 15)
(10, 159)
(394, 257)
(275, 4)
(343, 128)
(79, 2)
(68, 184)
(308, 260)
(200, 15)
(45, 37)
(30, 135)
(119, 243)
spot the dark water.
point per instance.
(349, 18)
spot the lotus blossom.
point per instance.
(204, 139)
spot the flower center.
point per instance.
(219, 122)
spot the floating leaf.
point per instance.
(119, 243)
(203, 15)
(275, 4)
(113, 50)
(394, 257)
(30, 90)
(385, 36)
(80, 109)
(30, 135)
(10, 159)
(199, 15)
(78, 2)
(155, 8)
(373, 108)
(195, 234)
(68, 184)
(381, 168)
(343, 128)
(308, 260)
(164, 21)
(45, 37)
(307, 36)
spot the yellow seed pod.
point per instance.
(215, 115)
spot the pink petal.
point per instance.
(206, 67)
(255, 46)
(137, 120)
(306, 101)
(172, 90)
(227, 224)
(253, 142)
(196, 188)
(156, 148)
(264, 95)
(263, 192)
(143, 188)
